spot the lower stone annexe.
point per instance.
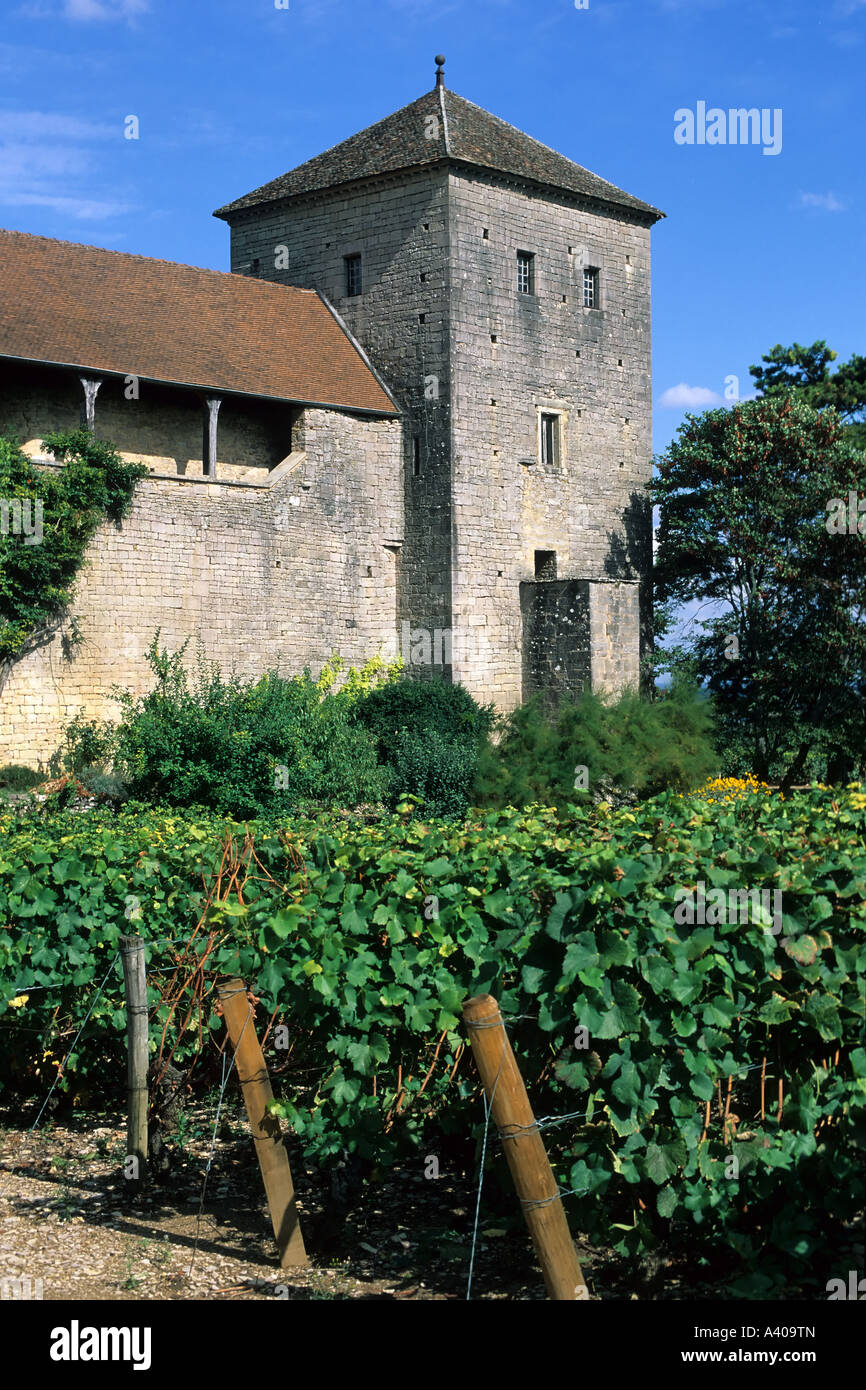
(263, 577)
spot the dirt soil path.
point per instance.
(67, 1219)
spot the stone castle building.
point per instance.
(414, 417)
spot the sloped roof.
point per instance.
(463, 133)
(107, 311)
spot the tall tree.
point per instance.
(806, 370)
(747, 496)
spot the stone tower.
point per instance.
(504, 294)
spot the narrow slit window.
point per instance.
(416, 457)
(590, 288)
(525, 272)
(353, 275)
(550, 439)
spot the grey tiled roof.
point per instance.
(462, 132)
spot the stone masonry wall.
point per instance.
(550, 353)
(400, 227)
(266, 578)
(614, 615)
(474, 376)
(556, 638)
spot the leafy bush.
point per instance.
(703, 1042)
(427, 734)
(86, 743)
(422, 706)
(15, 777)
(99, 782)
(357, 683)
(630, 747)
(829, 759)
(437, 771)
(241, 748)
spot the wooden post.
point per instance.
(270, 1150)
(524, 1149)
(87, 409)
(209, 440)
(135, 987)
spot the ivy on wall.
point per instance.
(47, 519)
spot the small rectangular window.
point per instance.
(525, 272)
(550, 439)
(590, 288)
(353, 275)
(416, 457)
(545, 564)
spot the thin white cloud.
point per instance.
(47, 160)
(30, 65)
(84, 209)
(683, 397)
(26, 126)
(85, 11)
(828, 202)
(103, 10)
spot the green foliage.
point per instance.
(241, 748)
(252, 748)
(436, 770)
(102, 783)
(86, 743)
(15, 777)
(744, 497)
(366, 939)
(358, 682)
(36, 579)
(420, 706)
(427, 734)
(630, 747)
(806, 371)
(796, 368)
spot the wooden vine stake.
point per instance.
(135, 988)
(524, 1149)
(270, 1150)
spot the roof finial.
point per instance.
(440, 76)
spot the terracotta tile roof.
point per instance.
(108, 311)
(464, 134)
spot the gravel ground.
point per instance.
(67, 1218)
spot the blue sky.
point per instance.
(756, 248)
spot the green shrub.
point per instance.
(239, 748)
(438, 771)
(358, 682)
(422, 706)
(102, 783)
(427, 734)
(15, 777)
(86, 743)
(834, 757)
(630, 747)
